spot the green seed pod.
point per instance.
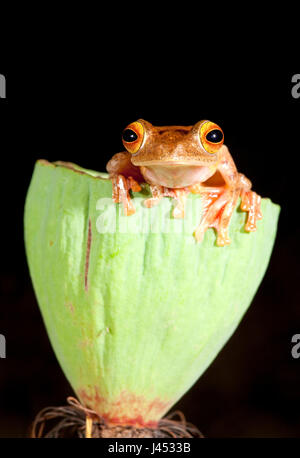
(135, 309)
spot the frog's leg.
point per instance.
(218, 210)
(158, 192)
(121, 188)
(218, 215)
(180, 196)
(222, 223)
(214, 205)
(250, 202)
(125, 177)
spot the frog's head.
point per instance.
(174, 156)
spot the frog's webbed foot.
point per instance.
(180, 196)
(250, 202)
(218, 206)
(121, 188)
(158, 192)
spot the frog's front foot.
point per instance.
(158, 192)
(250, 202)
(217, 211)
(121, 187)
(218, 208)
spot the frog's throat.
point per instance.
(179, 176)
(173, 163)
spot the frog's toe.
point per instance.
(223, 239)
(178, 212)
(200, 230)
(251, 203)
(198, 234)
(121, 187)
(151, 202)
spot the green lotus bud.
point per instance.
(135, 309)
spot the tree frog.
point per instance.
(178, 160)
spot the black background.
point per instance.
(73, 107)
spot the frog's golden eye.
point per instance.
(132, 137)
(211, 136)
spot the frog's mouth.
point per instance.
(175, 175)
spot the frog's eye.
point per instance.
(211, 137)
(132, 137)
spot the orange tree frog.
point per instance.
(177, 160)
